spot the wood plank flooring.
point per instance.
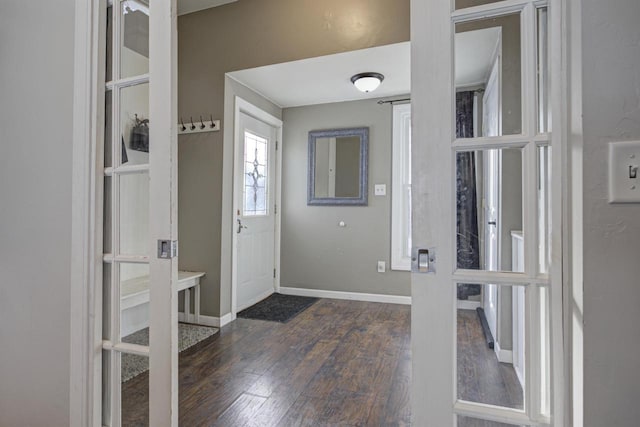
(339, 363)
(481, 378)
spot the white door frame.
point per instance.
(434, 399)
(243, 106)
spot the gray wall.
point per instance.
(36, 121)
(245, 34)
(611, 111)
(316, 252)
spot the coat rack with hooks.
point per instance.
(197, 126)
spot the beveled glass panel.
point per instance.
(134, 36)
(489, 209)
(108, 130)
(135, 390)
(544, 208)
(462, 4)
(256, 172)
(107, 220)
(542, 62)
(491, 345)
(134, 214)
(476, 422)
(134, 124)
(134, 303)
(488, 77)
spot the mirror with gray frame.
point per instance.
(338, 161)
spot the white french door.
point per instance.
(139, 296)
(456, 381)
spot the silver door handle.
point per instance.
(240, 226)
(492, 223)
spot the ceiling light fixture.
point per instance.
(367, 82)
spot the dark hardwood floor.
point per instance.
(339, 363)
(481, 378)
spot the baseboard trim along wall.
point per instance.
(504, 356)
(355, 296)
(216, 322)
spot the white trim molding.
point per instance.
(85, 361)
(354, 296)
(216, 322)
(504, 356)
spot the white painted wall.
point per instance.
(611, 111)
(36, 87)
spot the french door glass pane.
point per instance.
(488, 77)
(106, 386)
(134, 47)
(134, 303)
(134, 126)
(106, 300)
(474, 422)
(544, 118)
(491, 345)
(108, 131)
(461, 4)
(107, 219)
(134, 214)
(109, 52)
(135, 390)
(544, 208)
(489, 209)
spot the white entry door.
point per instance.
(255, 210)
(456, 380)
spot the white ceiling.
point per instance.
(326, 79)
(474, 55)
(188, 6)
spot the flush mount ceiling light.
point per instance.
(367, 82)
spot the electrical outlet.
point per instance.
(382, 266)
(380, 189)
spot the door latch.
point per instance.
(167, 249)
(423, 260)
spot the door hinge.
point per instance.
(276, 144)
(274, 273)
(275, 209)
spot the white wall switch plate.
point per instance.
(380, 189)
(624, 172)
(382, 266)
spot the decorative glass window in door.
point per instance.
(255, 175)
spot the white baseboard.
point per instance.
(216, 322)
(504, 356)
(354, 296)
(468, 305)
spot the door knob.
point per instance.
(492, 223)
(240, 226)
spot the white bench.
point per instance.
(135, 292)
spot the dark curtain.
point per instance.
(468, 248)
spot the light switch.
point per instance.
(380, 189)
(624, 178)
